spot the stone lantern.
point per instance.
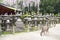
(0, 25)
(8, 24)
(19, 25)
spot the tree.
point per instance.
(57, 7)
(48, 6)
(25, 9)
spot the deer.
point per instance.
(44, 29)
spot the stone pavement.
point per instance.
(54, 34)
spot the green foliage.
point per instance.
(31, 8)
(26, 28)
(50, 6)
(5, 33)
(1, 1)
(57, 7)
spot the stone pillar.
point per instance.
(0, 24)
(13, 24)
(13, 29)
(27, 25)
(7, 22)
(35, 25)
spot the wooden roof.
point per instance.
(6, 9)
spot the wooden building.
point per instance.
(6, 9)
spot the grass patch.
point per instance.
(5, 33)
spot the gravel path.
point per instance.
(54, 34)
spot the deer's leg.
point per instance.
(41, 32)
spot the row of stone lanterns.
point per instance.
(34, 21)
(43, 20)
(8, 21)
